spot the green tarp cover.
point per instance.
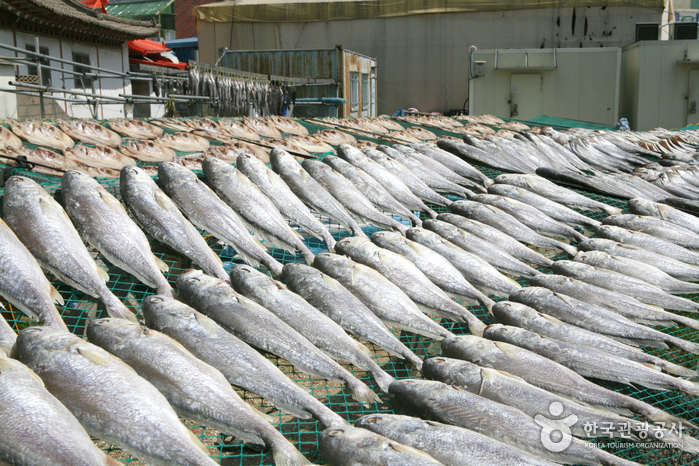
(138, 9)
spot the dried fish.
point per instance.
(311, 144)
(184, 142)
(41, 133)
(171, 123)
(148, 151)
(8, 139)
(238, 129)
(135, 129)
(263, 128)
(335, 137)
(90, 133)
(287, 125)
(98, 156)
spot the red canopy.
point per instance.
(142, 47)
(159, 62)
(96, 4)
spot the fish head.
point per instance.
(355, 246)
(592, 257)
(33, 340)
(194, 285)
(612, 232)
(174, 174)
(423, 236)
(469, 347)
(135, 176)
(110, 332)
(24, 188)
(316, 167)
(384, 424)
(333, 264)
(294, 272)
(164, 313)
(245, 277)
(646, 206)
(531, 294)
(350, 154)
(74, 181)
(464, 374)
(211, 164)
(411, 393)
(510, 312)
(248, 163)
(571, 268)
(506, 333)
(387, 239)
(597, 244)
(282, 161)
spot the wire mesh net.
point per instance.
(79, 309)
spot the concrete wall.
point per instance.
(656, 88)
(423, 59)
(584, 85)
(112, 58)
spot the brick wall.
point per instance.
(185, 26)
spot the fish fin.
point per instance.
(198, 443)
(93, 356)
(161, 199)
(162, 265)
(55, 295)
(505, 348)
(293, 410)
(111, 201)
(102, 274)
(8, 365)
(304, 176)
(551, 319)
(206, 322)
(363, 348)
(504, 374)
(406, 450)
(334, 284)
(651, 366)
(275, 241)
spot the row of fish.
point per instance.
(360, 245)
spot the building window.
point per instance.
(365, 91)
(82, 82)
(354, 91)
(32, 69)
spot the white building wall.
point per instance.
(108, 57)
(422, 60)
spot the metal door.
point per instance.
(693, 98)
(525, 96)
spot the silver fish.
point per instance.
(639, 289)
(453, 446)
(650, 242)
(656, 227)
(590, 362)
(452, 162)
(497, 237)
(519, 315)
(111, 401)
(489, 252)
(531, 217)
(477, 271)
(310, 191)
(404, 274)
(640, 206)
(286, 201)
(412, 181)
(135, 129)
(393, 184)
(257, 210)
(386, 300)
(430, 174)
(552, 209)
(318, 328)
(242, 366)
(23, 284)
(548, 375)
(440, 402)
(160, 217)
(637, 269)
(45, 229)
(350, 446)
(261, 328)
(508, 224)
(349, 196)
(7, 336)
(194, 389)
(549, 190)
(597, 319)
(512, 391)
(328, 296)
(435, 266)
(672, 267)
(620, 303)
(197, 201)
(36, 428)
(103, 222)
(372, 189)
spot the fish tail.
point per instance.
(684, 344)
(572, 250)
(688, 444)
(285, 454)
(660, 416)
(382, 378)
(115, 308)
(361, 392)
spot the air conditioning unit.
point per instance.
(684, 31)
(647, 31)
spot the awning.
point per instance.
(159, 62)
(96, 4)
(141, 47)
(138, 9)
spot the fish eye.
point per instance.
(335, 433)
(457, 339)
(101, 322)
(246, 270)
(156, 300)
(439, 360)
(193, 280)
(33, 330)
(408, 382)
(374, 420)
(133, 171)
